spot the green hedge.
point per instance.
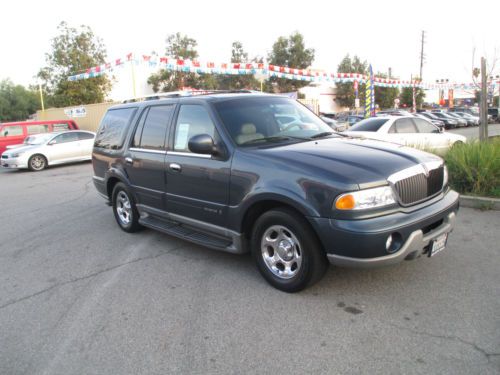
(474, 168)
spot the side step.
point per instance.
(187, 233)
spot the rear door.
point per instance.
(64, 147)
(86, 144)
(145, 158)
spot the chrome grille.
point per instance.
(418, 187)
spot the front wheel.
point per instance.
(286, 251)
(37, 163)
(124, 209)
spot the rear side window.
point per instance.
(11, 131)
(405, 125)
(60, 127)
(37, 129)
(150, 134)
(66, 137)
(83, 136)
(369, 125)
(113, 128)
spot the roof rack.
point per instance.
(182, 93)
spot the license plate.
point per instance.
(438, 244)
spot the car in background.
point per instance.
(408, 131)
(443, 114)
(467, 116)
(438, 123)
(48, 149)
(334, 124)
(462, 121)
(393, 112)
(493, 112)
(14, 133)
(449, 122)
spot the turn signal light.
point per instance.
(346, 202)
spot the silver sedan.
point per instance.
(41, 150)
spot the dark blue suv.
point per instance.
(243, 172)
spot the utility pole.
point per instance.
(422, 54)
(483, 106)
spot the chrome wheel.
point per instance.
(37, 162)
(281, 251)
(123, 208)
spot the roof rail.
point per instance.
(182, 93)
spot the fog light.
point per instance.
(388, 243)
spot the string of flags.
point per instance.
(269, 70)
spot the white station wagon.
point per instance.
(408, 131)
(41, 150)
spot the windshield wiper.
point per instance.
(322, 134)
(269, 139)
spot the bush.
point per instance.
(474, 168)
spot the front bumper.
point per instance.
(13, 163)
(362, 242)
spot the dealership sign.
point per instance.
(76, 112)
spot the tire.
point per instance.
(37, 163)
(124, 209)
(286, 250)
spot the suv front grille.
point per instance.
(419, 187)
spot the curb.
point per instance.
(480, 202)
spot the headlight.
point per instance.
(16, 155)
(445, 176)
(364, 199)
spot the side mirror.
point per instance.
(52, 142)
(202, 144)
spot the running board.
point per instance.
(191, 234)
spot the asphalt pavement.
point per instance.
(79, 296)
(472, 132)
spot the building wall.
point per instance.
(91, 119)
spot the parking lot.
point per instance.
(472, 132)
(79, 296)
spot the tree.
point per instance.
(16, 102)
(180, 47)
(73, 51)
(237, 82)
(406, 97)
(384, 96)
(345, 91)
(290, 52)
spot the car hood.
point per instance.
(365, 162)
(22, 148)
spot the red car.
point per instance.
(13, 133)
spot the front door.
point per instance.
(197, 185)
(64, 147)
(144, 161)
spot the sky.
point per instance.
(384, 33)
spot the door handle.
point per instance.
(175, 167)
(129, 160)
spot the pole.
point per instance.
(133, 77)
(483, 107)
(41, 96)
(422, 54)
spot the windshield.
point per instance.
(251, 121)
(37, 139)
(369, 125)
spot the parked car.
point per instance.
(220, 171)
(461, 121)
(14, 133)
(393, 112)
(48, 149)
(446, 116)
(334, 124)
(493, 112)
(406, 130)
(470, 118)
(449, 122)
(438, 123)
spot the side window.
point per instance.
(405, 125)
(192, 120)
(37, 129)
(425, 126)
(12, 131)
(113, 128)
(60, 127)
(152, 133)
(66, 137)
(83, 136)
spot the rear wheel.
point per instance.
(124, 209)
(286, 251)
(37, 163)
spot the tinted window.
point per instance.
(405, 125)
(11, 131)
(113, 128)
(192, 120)
(82, 136)
(60, 127)
(369, 125)
(154, 129)
(66, 137)
(424, 126)
(37, 129)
